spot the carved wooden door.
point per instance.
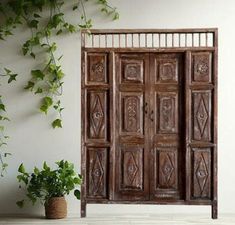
(148, 125)
(167, 120)
(132, 127)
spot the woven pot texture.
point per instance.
(56, 208)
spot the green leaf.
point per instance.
(76, 180)
(12, 77)
(7, 33)
(48, 101)
(45, 166)
(59, 32)
(2, 107)
(116, 16)
(32, 55)
(57, 123)
(25, 50)
(53, 47)
(4, 165)
(4, 118)
(20, 204)
(38, 74)
(36, 170)
(30, 85)
(21, 168)
(36, 15)
(77, 194)
(75, 7)
(72, 28)
(39, 90)
(44, 109)
(34, 24)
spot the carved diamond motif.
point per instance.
(97, 115)
(97, 174)
(202, 115)
(167, 169)
(201, 173)
(132, 168)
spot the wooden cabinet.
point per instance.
(149, 126)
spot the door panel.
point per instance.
(201, 144)
(166, 116)
(131, 152)
(201, 70)
(131, 114)
(97, 68)
(167, 166)
(97, 159)
(132, 160)
(201, 115)
(201, 173)
(97, 115)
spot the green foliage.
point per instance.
(47, 80)
(3, 138)
(47, 182)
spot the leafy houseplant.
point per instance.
(44, 19)
(50, 186)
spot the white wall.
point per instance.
(33, 140)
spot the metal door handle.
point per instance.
(151, 115)
(145, 108)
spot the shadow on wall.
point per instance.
(11, 195)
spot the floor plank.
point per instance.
(122, 220)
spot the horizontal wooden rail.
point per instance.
(149, 38)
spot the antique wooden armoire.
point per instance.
(149, 117)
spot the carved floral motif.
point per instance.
(133, 72)
(201, 68)
(167, 114)
(131, 123)
(98, 70)
(168, 70)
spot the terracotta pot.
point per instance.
(56, 208)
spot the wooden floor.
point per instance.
(126, 220)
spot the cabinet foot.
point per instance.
(214, 210)
(83, 209)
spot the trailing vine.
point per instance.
(45, 19)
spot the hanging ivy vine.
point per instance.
(45, 19)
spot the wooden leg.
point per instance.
(83, 209)
(214, 210)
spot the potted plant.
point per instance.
(50, 186)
